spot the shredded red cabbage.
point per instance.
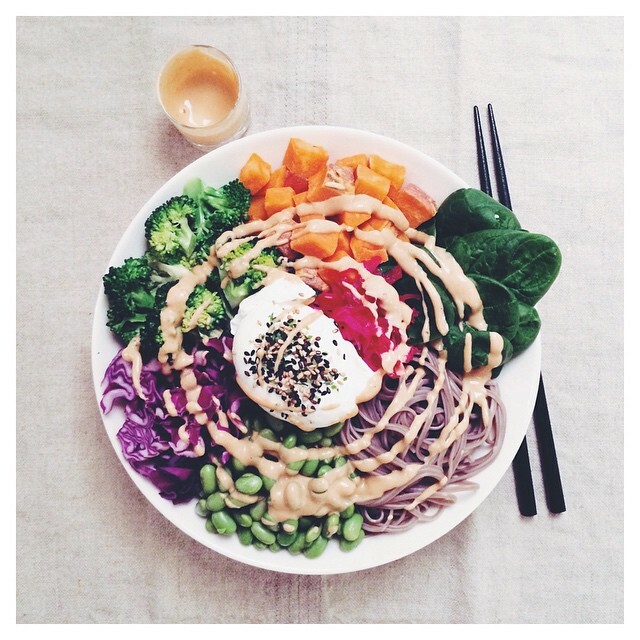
(151, 438)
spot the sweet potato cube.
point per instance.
(363, 250)
(353, 161)
(389, 202)
(277, 178)
(304, 159)
(344, 241)
(376, 224)
(297, 183)
(318, 245)
(255, 173)
(256, 209)
(299, 198)
(353, 218)
(371, 183)
(317, 188)
(416, 205)
(395, 172)
(278, 198)
(338, 255)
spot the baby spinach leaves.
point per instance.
(511, 268)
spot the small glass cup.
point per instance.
(202, 94)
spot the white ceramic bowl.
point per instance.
(518, 380)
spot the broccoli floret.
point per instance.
(131, 297)
(236, 290)
(221, 209)
(208, 308)
(150, 332)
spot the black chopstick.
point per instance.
(548, 458)
(521, 464)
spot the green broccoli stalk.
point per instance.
(131, 297)
(205, 311)
(220, 209)
(236, 290)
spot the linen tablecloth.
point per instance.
(93, 146)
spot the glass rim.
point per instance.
(233, 109)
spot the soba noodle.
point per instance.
(466, 456)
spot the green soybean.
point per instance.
(259, 545)
(263, 534)
(310, 437)
(249, 484)
(331, 525)
(309, 467)
(258, 510)
(267, 482)
(348, 545)
(340, 461)
(290, 526)
(317, 547)
(294, 467)
(223, 523)
(312, 534)
(325, 442)
(285, 539)
(297, 545)
(215, 502)
(268, 434)
(352, 527)
(208, 525)
(245, 536)
(201, 508)
(305, 523)
(237, 466)
(275, 547)
(268, 521)
(323, 470)
(275, 423)
(243, 519)
(208, 479)
(290, 441)
(333, 429)
(348, 512)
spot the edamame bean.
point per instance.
(290, 526)
(285, 539)
(325, 442)
(263, 534)
(258, 510)
(331, 525)
(275, 547)
(333, 429)
(267, 482)
(268, 434)
(317, 547)
(237, 466)
(351, 527)
(309, 467)
(297, 545)
(259, 545)
(268, 521)
(323, 470)
(312, 534)
(275, 423)
(290, 441)
(243, 519)
(201, 508)
(245, 536)
(208, 525)
(249, 484)
(310, 437)
(340, 461)
(305, 523)
(223, 523)
(348, 545)
(348, 512)
(294, 467)
(208, 479)
(215, 502)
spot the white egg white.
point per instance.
(290, 296)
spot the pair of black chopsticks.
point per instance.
(546, 447)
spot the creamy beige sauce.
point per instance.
(131, 353)
(294, 495)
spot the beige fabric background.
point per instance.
(93, 145)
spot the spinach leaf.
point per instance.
(528, 329)
(527, 263)
(480, 346)
(469, 210)
(500, 307)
